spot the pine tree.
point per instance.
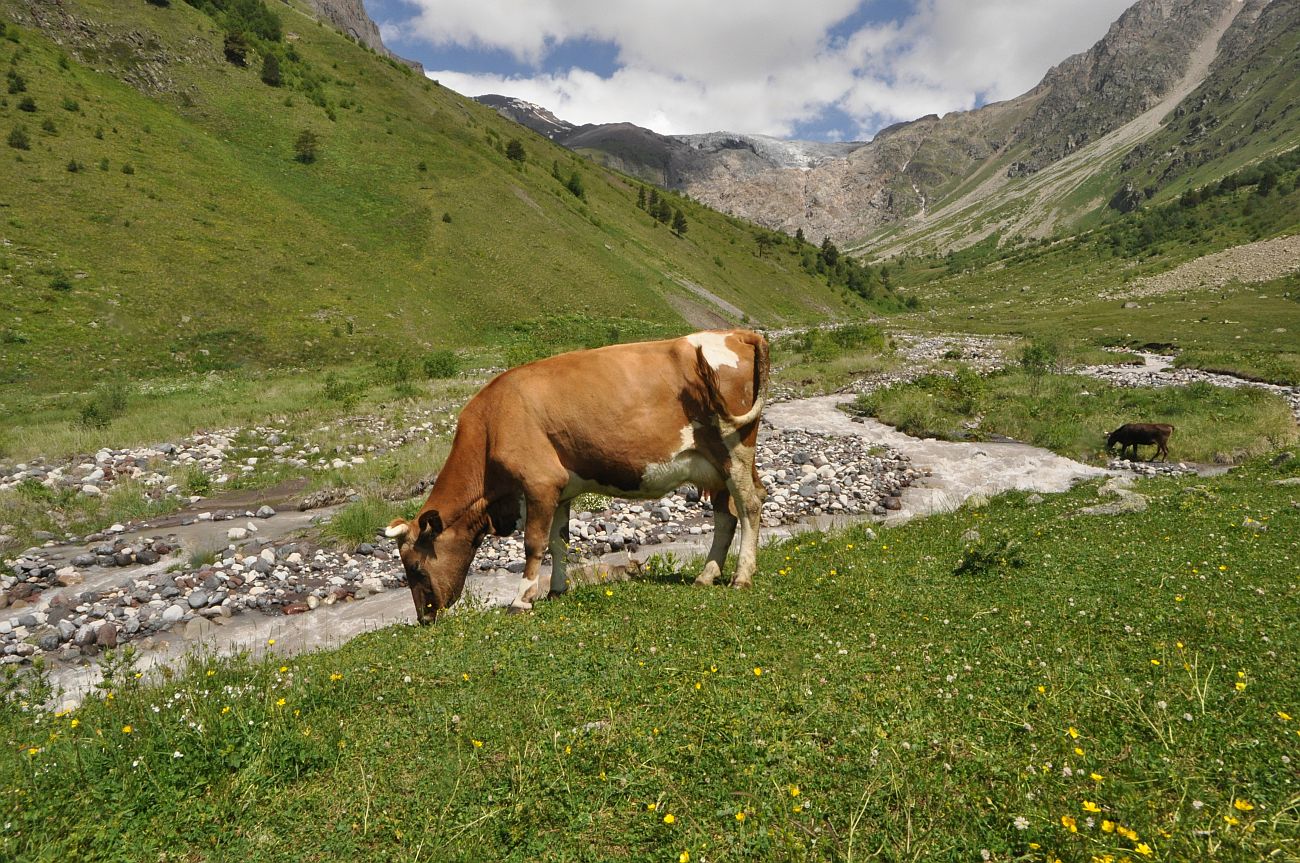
(515, 151)
(640, 198)
(798, 235)
(271, 70)
(679, 222)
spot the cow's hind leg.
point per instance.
(559, 548)
(747, 493)
(724, 530)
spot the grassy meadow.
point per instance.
(1072, 414)
(1014, 682)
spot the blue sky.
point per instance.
(819, 69)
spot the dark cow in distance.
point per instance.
(635, 420)
(1141, 434)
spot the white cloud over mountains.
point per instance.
(765, 66)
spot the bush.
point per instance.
(305, 149)
(70, 104)
(18, 139)
(27, 104)
(127, 168)
(271, 70)
(995, 555)
(347, 394)
(515, 151)
(103, 406)
(236, 47)
(17, 83)
(441, 363)
(574, 185)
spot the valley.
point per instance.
(242, 312)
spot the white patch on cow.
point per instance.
(714, 347)
(685, 465)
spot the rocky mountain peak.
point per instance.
(349, 16)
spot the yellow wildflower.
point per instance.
(740, 816)
(684, 857)
(669, 818)
(280, 703)
(1095, 777)
(1241, 686)
(1143, 848)
(1243, 805)
(1073, 732)
(1127, 833)
(335, 677)
(1232, 822)
(283, 669)
(75, 723)
(478, 744)
(758, 671)
(1068, 821)
(1089, 806)
(1078, 751)
(1285, 717)
(127, 729)
(794, 791)
(1155, 662)
(1107, 826)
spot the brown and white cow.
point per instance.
(635, 420)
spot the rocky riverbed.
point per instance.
(1157, 370)
(74, 600)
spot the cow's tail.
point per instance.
(761, 372)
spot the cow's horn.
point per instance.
(396, 530)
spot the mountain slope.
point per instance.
(1176, 92)
(158, 219)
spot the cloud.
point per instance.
(766, 66)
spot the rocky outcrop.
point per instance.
(350, 18)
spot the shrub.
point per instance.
(994, 555)
(236, 47)
(347, 394)
(28, 104)
(60, 283)
(70, 104)
(103, 406)
(271, 70)
(127, 168)
(17, 83)
(47, 125)
(305, 149)
(441, 363)
(18, 139)
(73, 166)
(446, 217)
(515, 151)
(574, 185)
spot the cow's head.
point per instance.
(436, 559)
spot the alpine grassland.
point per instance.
(1072, 414)
(1016, 680)
(197, 236)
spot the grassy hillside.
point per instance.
(1018, 680)
(1076, 288)
(155, 215)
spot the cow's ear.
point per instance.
(430, 523)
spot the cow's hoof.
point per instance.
(519, 608)
(556, 594)
(704, 581)
(742, 584)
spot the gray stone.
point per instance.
(199, 627)
(198, 598)
(172, 614)
(48, 642)
(106, 635)
(265, 512)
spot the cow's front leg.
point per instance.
(724, 530)
(559, 547)
(537, 529)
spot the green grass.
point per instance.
(1140, 666)
(359, 521)
(312, 265)
(1072, 414)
